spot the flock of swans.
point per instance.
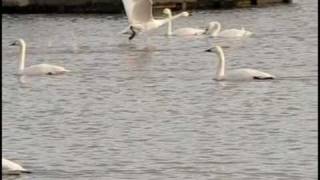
(140, 17)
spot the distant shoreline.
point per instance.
(115, 6)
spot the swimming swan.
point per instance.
(12, 168)
(39, 69)
(228, 32)
(181, 31)
(140, 16)
(236, 74)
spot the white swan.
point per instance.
(12, 168)
(181, 31)
(39, 69)
(236, 74)
(140, 16)
(228, 32)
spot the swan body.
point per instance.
(182, 31)
(43, 69)
(189, 32)
(39, 69)
(236, 74)
(140, 17)
(235, 33)
(246, 74)
(9, 167)
(215, 30)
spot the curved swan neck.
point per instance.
(217, 30)
(212, 30)
(221, 64)
(169, 32)
(22, 55)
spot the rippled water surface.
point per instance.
(150, 109)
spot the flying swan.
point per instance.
(236, 74)
(215, 30)
(140, 16)
(12, 168)
(39, 69)
(181, 31)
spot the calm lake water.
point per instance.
(150, 109)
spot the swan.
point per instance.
(181, 31)
(39, 69)
(140, 17)
(226, 33)
(9, 167)
(236, 74)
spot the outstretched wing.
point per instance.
(142, 11)
(128, 7)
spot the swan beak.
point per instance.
(12, 44)
(209, 50)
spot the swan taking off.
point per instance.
(214, 30)
(12, 168)
(39, 69)
(181, 31)
(236, 74)
(140, 16)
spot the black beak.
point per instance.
(208, 50)
(12, 44)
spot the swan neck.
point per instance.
(221, 65)
(22, 56)
(169, 33)
(217, 30)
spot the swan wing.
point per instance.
(247, 74)
(44, 69)
(128, 7)
(142, 11)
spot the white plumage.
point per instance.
(236, 74)
(140, 17)
(12, 168)
(188, 31)
(39, 69)
(215, 30)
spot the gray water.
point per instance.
(150, 109)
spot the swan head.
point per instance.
(167, 11)
(213, 24)
(211, 27)
(18, 42)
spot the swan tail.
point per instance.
(26, 171)
(16, 172)
(263, 78)
(125, 31)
